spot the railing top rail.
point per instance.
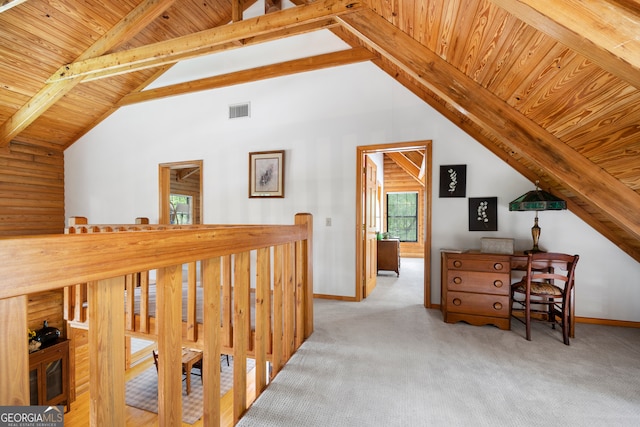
(39, 263)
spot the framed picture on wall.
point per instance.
(483, 214)
(266, 174)
(453, 180)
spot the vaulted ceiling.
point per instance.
(552, 88)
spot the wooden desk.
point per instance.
(475, 288)
(189, 358)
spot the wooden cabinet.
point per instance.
(389, 255)
(476, 288)
(49, 374)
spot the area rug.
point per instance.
(142, 391)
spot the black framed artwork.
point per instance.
(453, 180)
(266, 174)
(483, 214)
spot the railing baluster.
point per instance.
(241, 332)
(276, 341)
(192, 324)
(169, 324)
(106, 352)
(289, 301)
(283, 306)
(211, 276)
(262, 308)
(14, 352)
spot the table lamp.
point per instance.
(537, 200)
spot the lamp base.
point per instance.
(534, 251)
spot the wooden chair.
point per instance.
(549, 284)
(155, 362)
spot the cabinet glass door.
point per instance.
(33, 387)
(54, 379)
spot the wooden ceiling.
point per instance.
(553, 88)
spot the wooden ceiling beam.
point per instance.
(604, 31)
(327, 60)
(620, 203)
(8, 4)
(203, 42)
(407, 165)
(126, 28)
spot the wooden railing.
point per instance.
(277, 258)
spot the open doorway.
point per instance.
(180, 193)
(400, 153)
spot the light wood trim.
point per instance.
(106, 367)
(14, 352)
(386, 148)
(334, 59)
(612, 43)
(428, 184)
(201, 43)
(164, 190)
(513, 129)
(128, 26)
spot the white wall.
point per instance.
(320, 118)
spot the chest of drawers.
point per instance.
(475, 288)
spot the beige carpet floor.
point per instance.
(387, 361)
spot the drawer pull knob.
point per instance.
(457, 280)
(457, 263)
(497, 305)
(497, 283)
(497, 266)
(457, 301)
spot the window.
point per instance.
(402, 216)
(181, 209)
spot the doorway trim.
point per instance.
(364, 150)
(164, 187)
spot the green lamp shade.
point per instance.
(537, 200)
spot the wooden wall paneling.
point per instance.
(46, 306)
(31, 190)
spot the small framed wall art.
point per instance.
(483, 214)
(266, 174)
(453, 180)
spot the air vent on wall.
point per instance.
(239, 110)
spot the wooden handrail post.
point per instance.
(14, 352)
(106, 352)
(307, 255)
